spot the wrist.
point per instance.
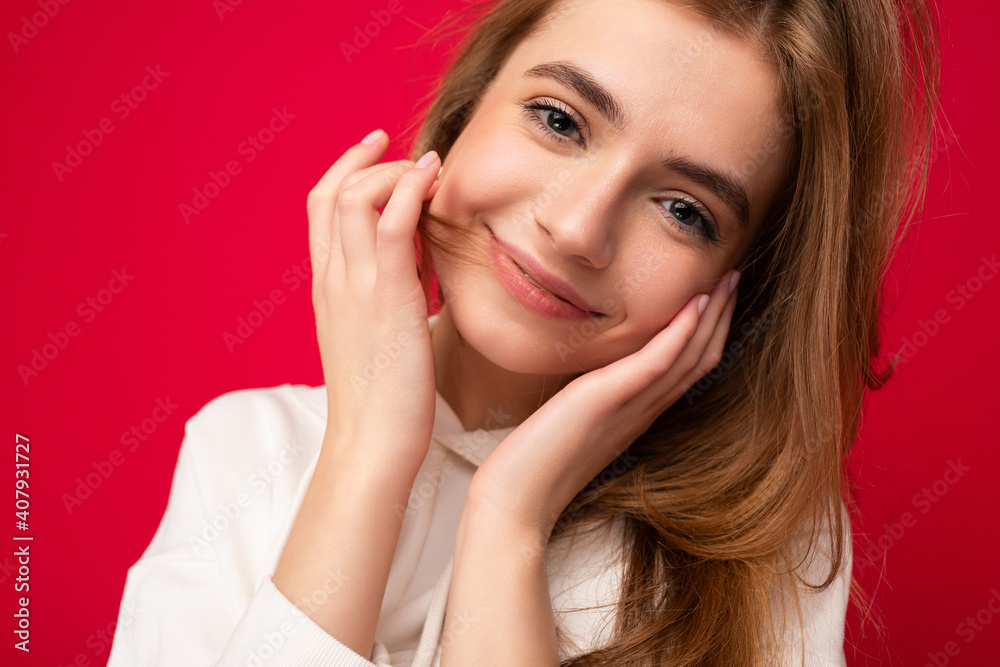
(370, 461)
(482, 521)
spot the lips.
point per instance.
(545, 280)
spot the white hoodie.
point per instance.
(201, 594)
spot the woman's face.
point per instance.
(650, 179)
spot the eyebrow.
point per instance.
(730, 190)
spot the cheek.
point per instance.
(654, 291)
(491, 169)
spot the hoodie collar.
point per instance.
(473, 446)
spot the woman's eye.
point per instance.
(554, 120)
(686, 215)
(561, 125)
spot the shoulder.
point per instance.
(281, 409)
(243, 458)
(585, 570)
(810, 618)
(255, 430)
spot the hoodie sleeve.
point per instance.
(819, 641)
(201, 594)
(278, 633)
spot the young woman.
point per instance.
(657, 234)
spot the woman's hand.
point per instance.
(499, 584)
(371, 313)
(374, 340)
(541, 465)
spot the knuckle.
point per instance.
(396, 174)
(388, 233)
(352, 179)
(319, 194)
(691, 364)
(350, 200)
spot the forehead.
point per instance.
(685, 86)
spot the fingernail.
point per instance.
(374, 136)
(702, 303)
(732, 281)
(426, 159)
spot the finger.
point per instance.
(714, 351)
(321, 199)
(358, 217)
(397, 227)
(328, 251)
(433, 191)
(693, 357)
(356, 176)
(634, 373)
(335, 240)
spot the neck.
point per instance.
(482, 394)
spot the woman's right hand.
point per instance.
(371, 313)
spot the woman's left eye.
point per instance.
(687, 213)
(554, 120)
(559, 122)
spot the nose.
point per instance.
(578, 215)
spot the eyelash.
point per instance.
(709, 230)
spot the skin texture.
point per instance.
(687, 90)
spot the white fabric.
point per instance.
(201, 594)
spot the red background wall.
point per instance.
(161, 337)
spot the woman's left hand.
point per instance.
(541, 465)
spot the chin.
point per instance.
(510, 343)
(514, 345)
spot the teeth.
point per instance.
(532, 280)
(525, 274)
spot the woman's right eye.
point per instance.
(553, 120)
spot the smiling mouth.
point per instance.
(535, 283)
(549, 292)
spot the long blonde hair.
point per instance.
(725, 482)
